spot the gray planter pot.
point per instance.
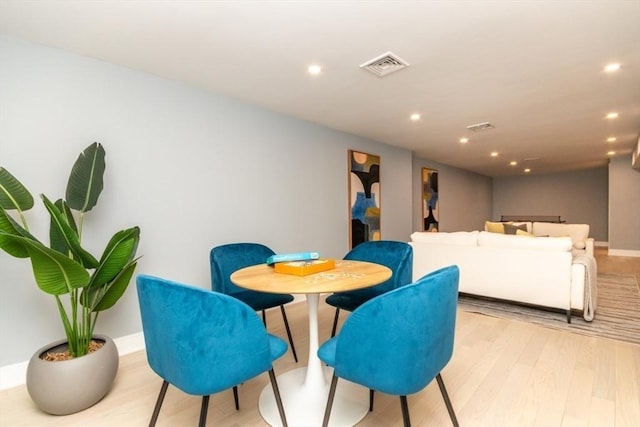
(70, 386)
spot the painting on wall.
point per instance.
(364, 198)
(430, 206)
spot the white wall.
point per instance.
(577, 196)
(193, 169)
(624, 208)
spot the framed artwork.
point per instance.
(364, 198)
(430, 211)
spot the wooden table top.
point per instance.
(347, 276)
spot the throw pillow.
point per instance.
(494, 227)
(579, 244)
(523, 233)
(511, 228)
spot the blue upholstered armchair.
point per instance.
(203, 342)
(398, 342)
(226, 259)
(398, 256)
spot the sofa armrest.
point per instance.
(589, 246)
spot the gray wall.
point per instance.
(465, 198)
(578, 197)
(193, 169)
(624, 206)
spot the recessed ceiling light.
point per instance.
(513, 163)
(494, 154)
(611, 153)
(611, 139)
(527, 170)
(612, 115)
(314, 69)
(415, 117)
(611, 68)
(464, 140)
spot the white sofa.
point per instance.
(532, 270)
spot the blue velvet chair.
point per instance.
(226, 259)
(203, 342)
(398, 256)
(398, 342)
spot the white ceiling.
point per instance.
(531, 68)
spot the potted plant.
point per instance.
(81, 284)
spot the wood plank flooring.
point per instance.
(503, 373)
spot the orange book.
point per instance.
(303, 268)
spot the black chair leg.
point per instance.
(235, 397)
(264, 318)
(276, 392)
(156, 410)
(447, 401)
(405, 411)
(286, 326)
(332, 393)
(371, 400)
(335, 323)
(203, 411)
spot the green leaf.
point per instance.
(114, 290)
(56, 238)
(70, 237)
(86, 179)
(13, 195)
(55, 273)
(120, 250)
(8, 226)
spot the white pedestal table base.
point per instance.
(304, 405)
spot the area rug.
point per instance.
(617, 314)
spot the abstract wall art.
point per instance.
(430, 205)
(364, 198)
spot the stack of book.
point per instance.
(300, 263)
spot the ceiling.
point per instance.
(533, 69)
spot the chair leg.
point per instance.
(276, 392)
(332, 393)
(235, 397)
(264, 318)
(335, 323)
(156, 410)
(371, 400)
(203, 411)
(405, 411)
(286, 326)
(447, 401)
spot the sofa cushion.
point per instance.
(579, 233)
(554, 244)
(510, 228)
(494, 227)
(460, 238)
(501, 227)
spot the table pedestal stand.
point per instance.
(304, 391)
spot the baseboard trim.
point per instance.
(16, 375)
(623, 252)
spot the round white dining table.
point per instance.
(304, 390)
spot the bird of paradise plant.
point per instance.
(65, 268)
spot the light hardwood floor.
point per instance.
(503, 373)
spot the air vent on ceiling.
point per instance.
(480, 126)
(385, 64)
